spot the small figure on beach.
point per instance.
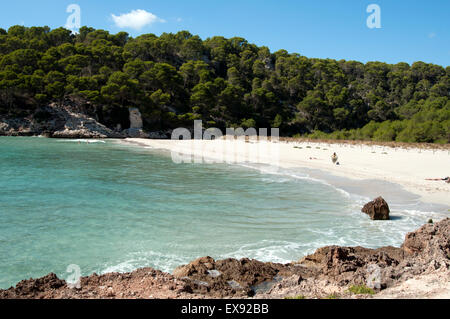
(445, 179)
(334, 159)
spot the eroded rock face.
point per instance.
(70, 121)
(377, 209)
(57, 121)
(143, 283)
(431, 240)
(34, 287)
(343, 266)
(227, 277)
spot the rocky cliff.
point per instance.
(67, 121)
(424, 259)
(56, 121)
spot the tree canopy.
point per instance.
(176, 78)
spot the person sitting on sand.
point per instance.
(334, 158)
(445, 179)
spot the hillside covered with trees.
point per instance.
(176, 78)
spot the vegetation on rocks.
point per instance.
(361, 290)
(296, 297)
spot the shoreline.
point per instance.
(415, 269)
(408, 168)
(418, 269)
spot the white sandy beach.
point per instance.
(407, 167)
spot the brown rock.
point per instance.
(432, 240)
(229, 277)
(377, 209)
(34, 288)
(199, 266)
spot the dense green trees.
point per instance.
(176, 78)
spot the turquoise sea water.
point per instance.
(108, 207)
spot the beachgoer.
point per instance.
(334, 158)
(445, 179)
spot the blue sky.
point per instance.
(410, 30)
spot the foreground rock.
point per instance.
(229, 277)
(423, 257)
(377, 209)
(420, 268)
(142, 283)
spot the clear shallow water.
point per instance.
(110, 207)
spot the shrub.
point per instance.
(296, 297)
(248, 123)
(361, 290)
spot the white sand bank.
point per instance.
(407, 167)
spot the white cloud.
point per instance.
(136, 19)
(432, 35)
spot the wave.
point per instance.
(399, 207)
(156, 260)
(87, 141)
(273, 170)
(277, 251)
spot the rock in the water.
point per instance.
(377, 209)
